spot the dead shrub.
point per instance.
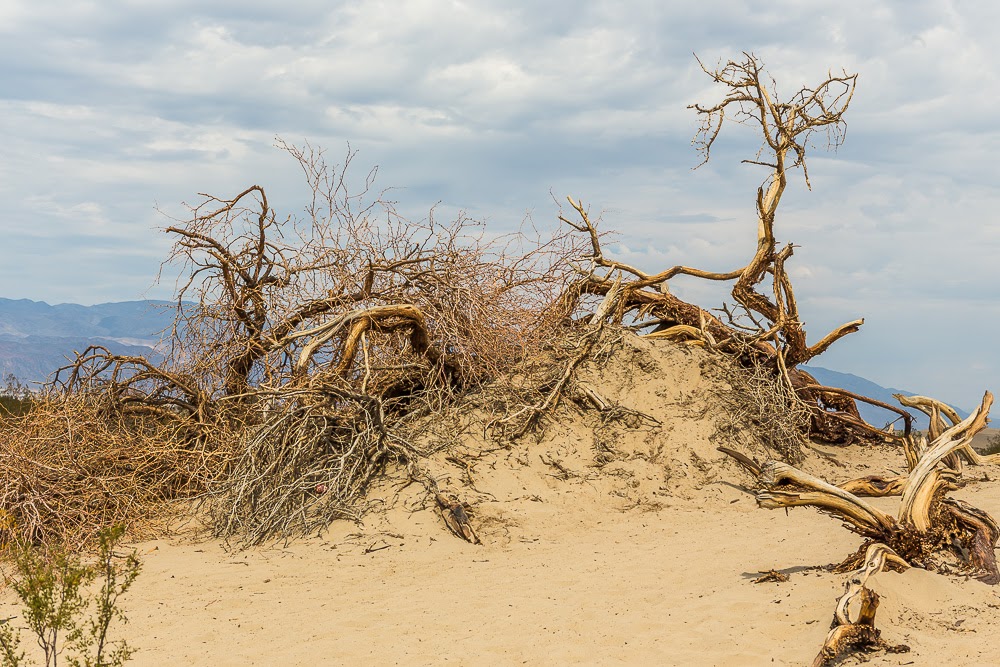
(762, 412)
(70, 467)
(302, 348)
(310, 461)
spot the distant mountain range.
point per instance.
(36, 339)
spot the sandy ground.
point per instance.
(571, 583)
(632, 544)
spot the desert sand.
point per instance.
(630, 544)
(570, 583)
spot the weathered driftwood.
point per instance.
(927, 479)
(874, 486)
(928, 525)
(936, 411)
(846, 634)
(787, 486)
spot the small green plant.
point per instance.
(52, 586)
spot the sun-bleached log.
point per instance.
(914, 446)
(680, 333)
(878, 557)
(862, 633)
(933, 408)
(785, 486)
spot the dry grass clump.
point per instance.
(70, 467)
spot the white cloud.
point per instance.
(488, 106)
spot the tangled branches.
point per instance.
(268, 311)
(301, 347)
(760, 403)
(307, 463)
(73, 464)
(764, 327)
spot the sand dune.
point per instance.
(624, 544)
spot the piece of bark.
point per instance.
(875, 486)
(748, 464)
(456, 518)
(771, 576)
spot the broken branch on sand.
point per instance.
(861, 633)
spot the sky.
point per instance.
(115, 113)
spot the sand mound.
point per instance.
(668, 408)
(651, 445)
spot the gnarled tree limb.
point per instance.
(787, 486)
(925, 479)
(846, 634)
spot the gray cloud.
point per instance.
(110, 110)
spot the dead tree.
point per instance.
(931, 530)
(305, 346)
(765, 325)
(786, 128)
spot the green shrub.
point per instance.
(52, 585)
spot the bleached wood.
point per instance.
(925, 479)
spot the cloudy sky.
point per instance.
(113, 113)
